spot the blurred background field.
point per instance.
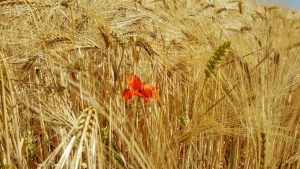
(290, 3)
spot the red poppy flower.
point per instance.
(145, 91)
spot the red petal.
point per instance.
(127, 94)
(149, 91)
(134, 82)
(138, 93)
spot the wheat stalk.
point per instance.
(5, 118)
(217, 58)
(263, 143)
(80, 137)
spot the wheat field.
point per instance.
(227, 74)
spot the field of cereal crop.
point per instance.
(149, 84)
